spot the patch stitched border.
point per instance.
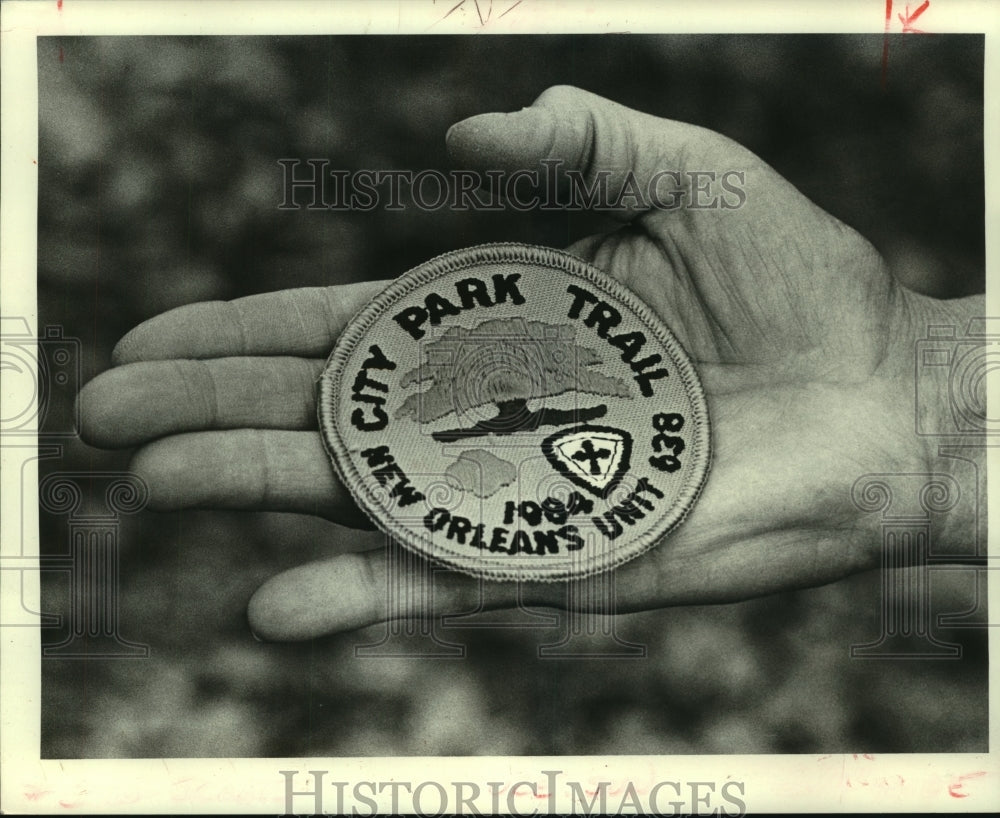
(331, 388)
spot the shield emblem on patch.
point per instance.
(592, 457)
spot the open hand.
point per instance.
(803, 340)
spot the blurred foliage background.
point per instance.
(159, 186)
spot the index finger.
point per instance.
(301, 322)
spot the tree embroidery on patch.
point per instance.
(488, 374)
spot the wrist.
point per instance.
(945, 342)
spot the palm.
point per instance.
(785, 318)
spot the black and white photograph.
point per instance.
(496, 392)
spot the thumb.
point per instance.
(643, 160)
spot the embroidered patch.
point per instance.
(514, 413)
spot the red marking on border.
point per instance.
(954, 789)
(906, 18)
(59, 4)
(885, 41)
(907, 21)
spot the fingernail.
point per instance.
(462, 129)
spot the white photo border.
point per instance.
(774, 783)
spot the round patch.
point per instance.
(515, 413)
